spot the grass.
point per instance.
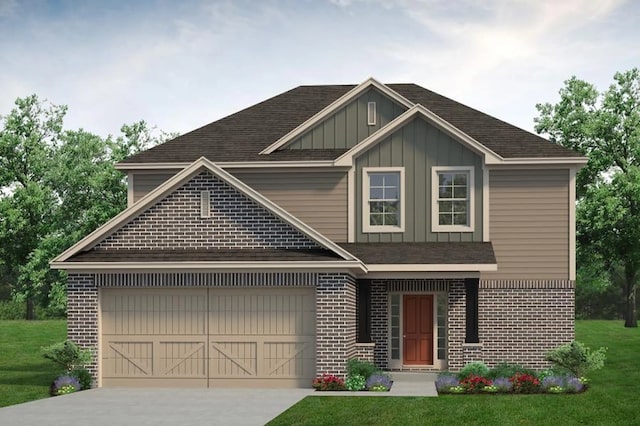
(24, 374)
(613, 399)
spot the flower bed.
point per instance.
(518, 383)
(361, 376)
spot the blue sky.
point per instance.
(182, 64)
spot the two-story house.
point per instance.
(384, 222)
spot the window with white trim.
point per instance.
(383, 199)
(452, 199)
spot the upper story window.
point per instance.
(452, 199)
(383, 199)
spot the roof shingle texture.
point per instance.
(422, 253)
(241, 136)
(205, 255)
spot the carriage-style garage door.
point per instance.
(208, 337)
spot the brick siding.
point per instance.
(519, 320)
(236, 222)
(522, 320)
(335, 322)
(82, 315)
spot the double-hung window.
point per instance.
(452, 199)
(383, 199)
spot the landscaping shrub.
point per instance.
(361, 368)
(68, 355)
(328, 382)
(473, 369)
(577, 358)
(64, 385)
(355, 382)
(503, 384)
(84, 377)
(525, 383)
(445, 382)
(504, 369)
(12, 310)
(474, 383)
(379, 383)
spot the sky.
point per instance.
(179, 65)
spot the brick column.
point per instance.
(456, 325)
(380, 323)
(82, 315)
(336, 322)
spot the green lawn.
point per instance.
(613, 399)
(24, 374)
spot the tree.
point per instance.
(55, 187)
(606, 128)
(28, 139)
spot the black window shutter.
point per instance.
(471, 288)
(363, 311)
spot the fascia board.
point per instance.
(482, 267)
(545, 161)
(204, 265)
(227, 165)
(333, 107)
(150, 166)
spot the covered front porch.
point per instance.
(418, 325)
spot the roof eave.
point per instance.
(345, 265)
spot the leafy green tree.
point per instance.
(605, 127)
(28, 139)
(55, 187)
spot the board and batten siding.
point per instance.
(529, 223)
(348, 125)
(144, 183)
(418, 146)
(318, 198)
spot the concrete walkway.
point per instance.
(193, 407)
(140, 407)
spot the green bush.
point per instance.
(474, 369)
(84, 377)
(355, 382)
(577, 358)
(508, 370)
(68, 355)
(12, 310)
(361, 368)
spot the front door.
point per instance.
(417, 330)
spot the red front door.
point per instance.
(417, 329)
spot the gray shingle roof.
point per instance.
(422, 253)
(203, 255)
(241, 136)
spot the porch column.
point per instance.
(335, 322)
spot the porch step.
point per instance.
(411, 376)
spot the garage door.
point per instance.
(208, 337)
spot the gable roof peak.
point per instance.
(202, 163)
(333, 107)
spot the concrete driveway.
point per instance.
(140, 407)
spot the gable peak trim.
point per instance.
(333, 107)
